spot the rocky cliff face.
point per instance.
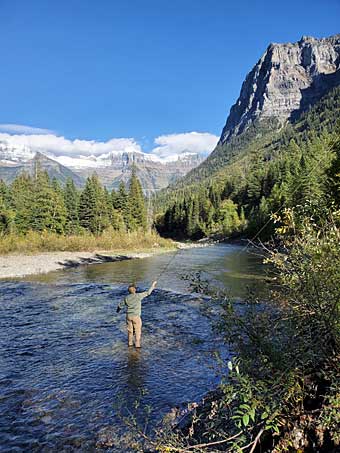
(154, 175)
(287, 79)
(10, 169)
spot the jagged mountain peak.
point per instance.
(154, 172)
(286, 80)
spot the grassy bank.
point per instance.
(34, 242)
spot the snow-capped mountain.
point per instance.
(154, 172)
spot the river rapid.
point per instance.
(66, 373)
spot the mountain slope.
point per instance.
(286, 81)
(54, 169)
(288, 168)
(155, 173)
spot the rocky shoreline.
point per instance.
(19, 266)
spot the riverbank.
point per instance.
(20, 265)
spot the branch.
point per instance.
(217, 442)
(257, 438)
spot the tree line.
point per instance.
(298, 166)
(37, 203)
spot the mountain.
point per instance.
(155, 173)
(9, 169)
(287, 81)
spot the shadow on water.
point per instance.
(64, 361)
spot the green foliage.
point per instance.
(71, 200)
(138, 216)
(35, 203)
(22, 190)
(333, 173)
(228, 218)
(262, 171)
(281, 387)
(6, 213)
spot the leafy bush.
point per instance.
(282, 386)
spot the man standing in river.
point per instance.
(133, 303)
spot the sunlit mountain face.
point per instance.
(155, 172)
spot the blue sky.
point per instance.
(97, 70)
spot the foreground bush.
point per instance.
(110, 239)
(281, 391)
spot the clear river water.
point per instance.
(65, 368)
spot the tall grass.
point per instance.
(110, 240)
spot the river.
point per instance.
(65, 368)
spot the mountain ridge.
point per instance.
(247, 121)
(111, 168)
(286, 80)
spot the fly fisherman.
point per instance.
(133, 303)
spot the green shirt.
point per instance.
(133, 302)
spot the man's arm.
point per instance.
(149, 291)
(121, 305)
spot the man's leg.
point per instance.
(137, 323)
(129, 325)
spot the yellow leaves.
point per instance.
(164, 449)
(286, 220)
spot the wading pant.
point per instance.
(134, 327)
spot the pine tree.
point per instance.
(117, 207)
(48, 208)
(333, 173)
(71, 199)
(101, 208)
(6, 213)
(137, 203)
(22, 189)
(111, 215)
(94, 206)
(122, 205)
(87, 206)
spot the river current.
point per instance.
(66, 373)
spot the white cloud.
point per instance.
(61, 146)
(92, 153)
(22, 129)
(190, 142)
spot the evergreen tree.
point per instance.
(94, 206)
(22, 189)
(87, 206)
(6, 213)
(48, 208)
(117, 209)
(111, 213)
(333, 173)
(102, 206)
(122, 205)
(137, 203)
(71, 199)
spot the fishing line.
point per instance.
(168, 264)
